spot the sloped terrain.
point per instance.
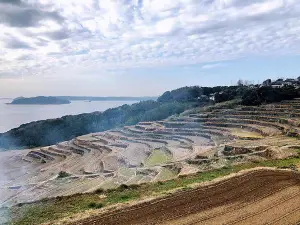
(259, 196)
(198, 140)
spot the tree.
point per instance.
(240, 82)
(166, 97)
(267, 82)
(221, 97)
(195, 92)
(251, 97)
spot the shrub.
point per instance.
(123, 187)
(134, 186)
(99, 191)
(63, 174)
(94, 205)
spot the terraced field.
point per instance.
(198, 140)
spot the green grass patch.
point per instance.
(244, 133)
(50, 209)
(55, 208)
(122, 196)
(158, 157)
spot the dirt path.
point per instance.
(256, 197)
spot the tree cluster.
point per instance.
(263, 95)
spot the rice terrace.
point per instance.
(220, 164)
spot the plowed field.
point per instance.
(255, 197)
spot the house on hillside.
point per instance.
(292, 82)
(212, 96)
(288, 82)
(203, 98)
(277, 84)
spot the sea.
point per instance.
(12, 116)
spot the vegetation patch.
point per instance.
(245, 134)
(63, 174)
(95, 205)
(158, 157)
(50, 209)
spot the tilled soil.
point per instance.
(256, 197)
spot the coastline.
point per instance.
(38, 103)
(15, 115)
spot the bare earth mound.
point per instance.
(261, 196)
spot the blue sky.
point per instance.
(143, 47)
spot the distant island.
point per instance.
(40, 100)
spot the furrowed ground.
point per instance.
(261, 196)
(207, 142)
(100, 205)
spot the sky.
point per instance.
(143, 47)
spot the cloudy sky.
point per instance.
(143, 47)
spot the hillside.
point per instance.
(198, 140)
(40, 100)
(52, 131)
(209, 141)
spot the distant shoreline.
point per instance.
(40, 100)
(6, 98)
(107, 98)
(14, 115)
(86, 98)
(35, 104)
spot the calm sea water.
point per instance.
(12, 116)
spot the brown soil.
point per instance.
(256, 197)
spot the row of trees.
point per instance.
(250, 95)
(195, 93)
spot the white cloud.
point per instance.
(213, 65)
(123, 34)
